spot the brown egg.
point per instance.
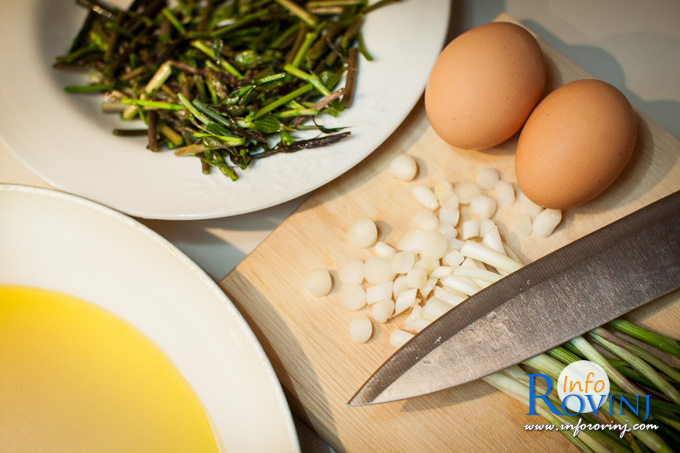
(574, 144)
(484, 85)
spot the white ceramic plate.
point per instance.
(60, 242)
(65, 139)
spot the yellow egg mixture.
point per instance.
(74, 377)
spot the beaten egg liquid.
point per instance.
(74, 377)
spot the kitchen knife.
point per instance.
(544, 304)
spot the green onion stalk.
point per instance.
(654, 373)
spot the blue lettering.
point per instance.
(637, 404)
(646, 408)
(533, 396)
(564, 404)
(596, 407)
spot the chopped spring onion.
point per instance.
(376, 293)
(505, 194)
(488, 256)
(378, 270)
(483, 206)
(426, 220)
(412, 241)
(546, 222)
(470, 229)
(416, 277)
(403, 167)
(425, 197)
(384, 250)
(447, 230)
(360, 330)
(406, 300)
(435, 245)
(449, 216)
(443, 190)
(382, 311)
(466, 191)
(529, 207)
(487, 178)
(402, 262)
(434, 308)
(319, 282)
(399, 337)
(363, 233)
(353, 297)
(352, 272)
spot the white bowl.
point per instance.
(56, 241)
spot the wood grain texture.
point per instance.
(307, 339)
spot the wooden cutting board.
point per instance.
(307, 339)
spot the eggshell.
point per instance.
(484, 85)
(575, 144)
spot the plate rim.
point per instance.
(14, 142)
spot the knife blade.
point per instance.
(550, 301)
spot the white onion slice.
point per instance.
(529, 207)
(403, 167)
(363, 233)
(449, 215)
(383, 310)
(434, 308)
(416, 278)
(319, 282)
(466, 191)
(434, 245)
(487, 277)
(405, 300)
(402, 262)
(453, 259)
(485, 225)
(399, 286)
(426, 220)
(411, 241)
(428, 287)
(546, 222)
(352, 272)
(416, 325)
(483, 206)
(492, 239)
(450, 296)
(384, 250)
(441, 272)
(360, 329)
(488, 256)
(399, 337)
(376, 293)
(456, 244)
(353, 297)
(487, 178)
(505, 194)
(461, 284)
(470, 229)
(427, 263)
(378, 270)
(415, 313)
(443, 190)
(425, 197)
(448, 230)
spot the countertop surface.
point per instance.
(634, 45)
